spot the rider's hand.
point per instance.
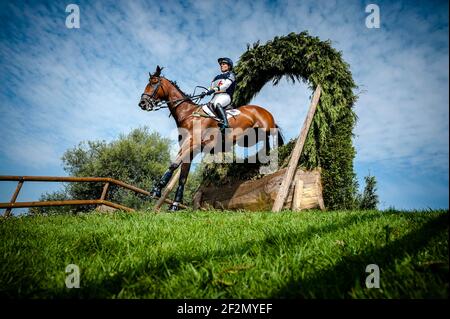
(210, 92)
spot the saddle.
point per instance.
(229, 111)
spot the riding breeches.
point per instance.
(223, 99)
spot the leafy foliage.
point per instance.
(301, 57)
(369, 198)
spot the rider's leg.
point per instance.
(220, 102)
(222, 115)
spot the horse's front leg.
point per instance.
(157, 188)
(183, 156)
(185, 167)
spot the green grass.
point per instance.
(226, 255)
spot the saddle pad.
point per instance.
(230, 113)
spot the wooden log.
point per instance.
(105, 209)
(259, 195)
(297, 197)
(293, 162)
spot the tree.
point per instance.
(369, 198)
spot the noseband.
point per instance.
(150, 99)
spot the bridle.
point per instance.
(152, 104)
(150, 99)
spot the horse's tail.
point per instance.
(280, 140)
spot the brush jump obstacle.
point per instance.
(290, 188)
(322, 161)
(328, 144)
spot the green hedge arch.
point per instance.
(301, 57)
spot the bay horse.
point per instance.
(197, 130)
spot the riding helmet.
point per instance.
(227, 61)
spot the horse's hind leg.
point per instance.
(180, 189)
(267, 144)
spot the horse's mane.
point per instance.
(174, 83)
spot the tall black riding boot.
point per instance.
(223, 116)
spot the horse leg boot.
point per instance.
(178, 198)
(156, 190)
(180, 189)
(223, 116)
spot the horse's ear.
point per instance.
(158, 71)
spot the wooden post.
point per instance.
(13, 198)
(292, 166)
(104, 208)
(168, 189)
(105, 190)
(297, 196)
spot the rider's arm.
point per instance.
(224, 85)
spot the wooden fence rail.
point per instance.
(102, 201)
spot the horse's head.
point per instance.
(153, 92)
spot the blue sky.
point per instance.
(61, 86)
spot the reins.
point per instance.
(165, 104)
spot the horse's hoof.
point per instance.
(174, 207)
(155, 193)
